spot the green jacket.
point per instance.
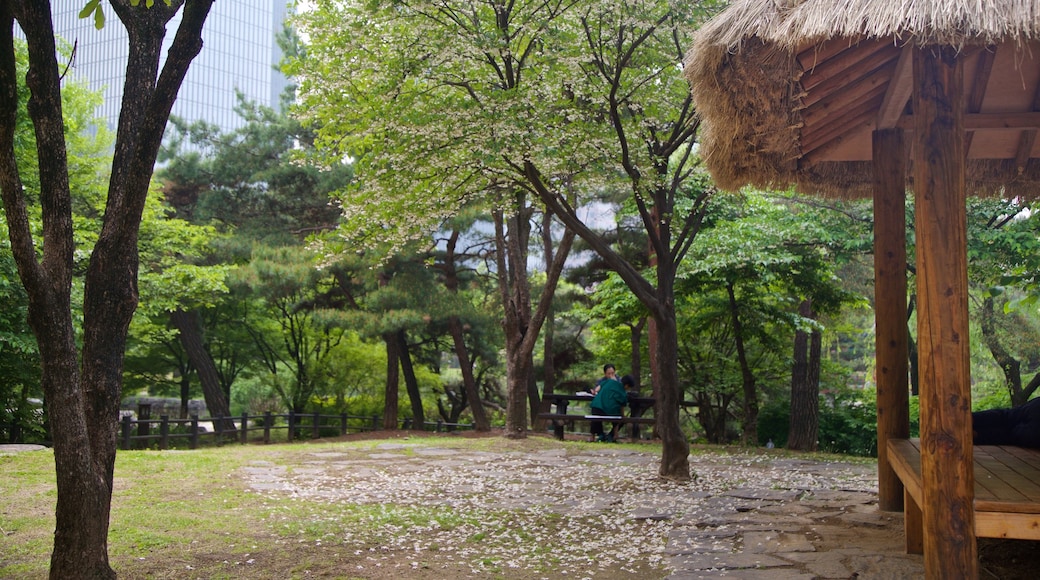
(611, 397)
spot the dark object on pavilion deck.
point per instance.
(1015, 426)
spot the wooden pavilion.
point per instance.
(872, 98)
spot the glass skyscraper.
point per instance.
(239, 52)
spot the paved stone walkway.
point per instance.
(745, 515)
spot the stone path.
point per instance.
(745, 515)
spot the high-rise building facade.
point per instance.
(239, 52)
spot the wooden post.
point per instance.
(194, 432)
(164, 432)
(947, 511)
(292, 427)
(316, 430)
(268, 421)
(342, 423)
(144, 422)
(244, 432)
(891, 344)
(127, 426)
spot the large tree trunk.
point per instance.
(749, 425)
(521, 328)
(390, 404)
(455, 327)
(516, 300)
(83, 404)
(543, 404)
(469, 381)
(189, 326)
(805, 391)
(410, 382)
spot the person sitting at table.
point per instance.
(609, 400)
(1018, 426)
(608, 373)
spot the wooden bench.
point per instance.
(560, 420)
(1007, 491)
(637, 406)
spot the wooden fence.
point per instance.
(297, 426)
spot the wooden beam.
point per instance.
(815, 55)
(890, 334)
(1025, 148)
(1028, 137)
(977, 121)
(855, 118)
(947, 509)
(853, 57)
(899, 89)
(840, 79)
(983, 69)
(867, 88)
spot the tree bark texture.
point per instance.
(189, 327)
(805, 387)
(749, 424)
(521, 326)
(410, 382)
(511, 250)
(82, 390)
(458, 336)
(393, 378)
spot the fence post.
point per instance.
(292, 426)
(126, 431)
(244, 438)
(268, 419)
(194, 432)
(144, 423)
(407, 423)
(375, 422)
(440, 423)
(164, 432)
(317, 424)
(342, 423)
(218, 429)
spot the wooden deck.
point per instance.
(1007, 490)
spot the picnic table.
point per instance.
(561, 418)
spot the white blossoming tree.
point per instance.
(450, 102)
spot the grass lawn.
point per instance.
(267, 511)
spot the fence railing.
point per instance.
(296, 426)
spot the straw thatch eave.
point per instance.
(746, 81)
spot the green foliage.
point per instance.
(21, 416)
(847, 422)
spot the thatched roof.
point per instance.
(790, 91)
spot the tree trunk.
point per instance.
(83, 402)
(390, 404)
(520, 326)
(635, 339)
(189, 326)
(511, 253)
(749, 426)
(469, 382)
(411, 384)
(1009, 365)
(455, 327)
(805, 392)
(185, 394)
(548, 331)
